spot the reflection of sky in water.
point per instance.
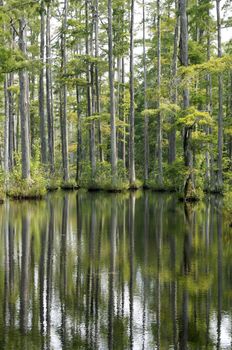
(118, 257)
(225, 339)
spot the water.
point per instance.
(106, 271)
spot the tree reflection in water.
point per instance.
(114, 271)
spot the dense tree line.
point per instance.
(115, 94)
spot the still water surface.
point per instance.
(106, 271)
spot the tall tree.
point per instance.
(220, 102)
(97, 84)
(112, 95)
(132, 102)
(172, 133)
(188, 157)
(49, 95)
(6, 128)
(64, 126)
(159, 122)
(24, 102)
(146, 135)
(41, 87)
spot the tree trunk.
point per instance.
(97, 85)
(89, 95)
(92, 124)
(24, 103)
(79, 134)
(146, 120)
(32, 122)
(172, 134)
(132, 110)
(41, 88)
(49, 96)
(11, 111)
(64, 132)
(159, 126)
(220, 103)
(6, 128)
(112, 96)
(123, 114)
(209, 152)
(188, 157)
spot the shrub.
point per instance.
(69, 185)
(27, 189)
(103, 178)
(33, 188)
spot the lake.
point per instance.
(138, 270)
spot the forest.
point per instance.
(115, 95)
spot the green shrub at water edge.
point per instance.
(27, 189)
(135, 185)
(103, 178)
(69, 185)
(32, 188)
(2, 195)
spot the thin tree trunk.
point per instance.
(6, 121)
(97, 85)
(11, 122)
(220, 102)
(89, 94)
(79, 134)
(6, 128)
(112, 95)
(172, 134)
(209, 152)
(49, 96)
(159, 126)
(92, 125)
(146, 120)
(41, 88)
(32, 122)
(24, 103)
(64, 131)
(132, 110)
(123, 114)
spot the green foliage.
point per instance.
(69, 185)
(174, 176)
(103, 179)
(53, 183)
(27, 189)
(165, 109)
(194, 117)
(2, 186)
(33, 188)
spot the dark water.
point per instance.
(130, 271)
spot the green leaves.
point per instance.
(11, 60)
(213, 66)
(194, 117)
(165, 109)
